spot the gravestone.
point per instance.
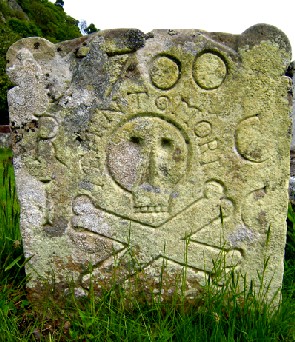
(152, 156)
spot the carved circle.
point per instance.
(203, 129)
(209, 70)
(253, 141)
(164, 72)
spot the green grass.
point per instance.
(10, 238)
(229, 314)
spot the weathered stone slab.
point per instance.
(135, 151)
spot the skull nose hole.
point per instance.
(135, 140)
(166, 143)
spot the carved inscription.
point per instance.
(162, 102)
(203, 129)
(137, 100)
(48, 127)
(208, 144)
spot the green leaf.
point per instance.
(14, 262)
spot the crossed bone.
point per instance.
(172, 239)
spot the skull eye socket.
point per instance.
(166, 143)
(136, 140)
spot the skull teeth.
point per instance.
(151, 209)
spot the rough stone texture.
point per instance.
(144, 153)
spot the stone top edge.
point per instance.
(134, 39)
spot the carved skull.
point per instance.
(148, 156)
